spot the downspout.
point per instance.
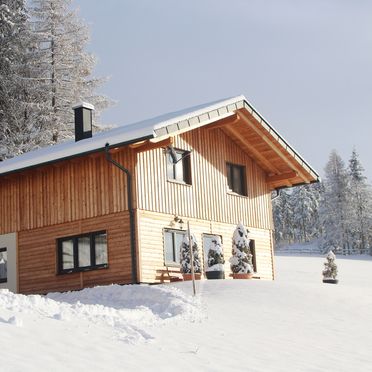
(131, 212)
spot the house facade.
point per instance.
(113, 208)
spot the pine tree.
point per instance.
(283, 218)
(215, 256)
(360, 196)
(185, 256)
(330, 267)
(64, 67)
(336, 211)
(241, 260)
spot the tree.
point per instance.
(64, 66)
(336, 211)
(241, 260)
(330, 267)
(360, 197)
(18, 94)
(215, 256)
(185, 255)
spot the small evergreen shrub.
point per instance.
(215, 256)
(330, 267)
(185, 256)
(241, 260)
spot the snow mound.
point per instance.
(130, 310)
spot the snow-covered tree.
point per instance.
(330, 267)
(185, 255)
(283, 218)
(336, 211)
(241, 259)
(360, 197)
(64, 65)
(215, 255)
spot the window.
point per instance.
(236, 178)
(83, 252)
(179, 166)
(3, 265)
(172, 246)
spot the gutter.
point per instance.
(131, 211)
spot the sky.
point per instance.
(305, 65)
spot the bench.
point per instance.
(169, 274)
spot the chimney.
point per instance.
(83, 120)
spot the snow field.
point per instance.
(295, 323)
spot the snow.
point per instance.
(116, 136)
(295, 323)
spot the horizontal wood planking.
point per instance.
(65, 192)
(37, 255)
(208, 197)
(151, 244)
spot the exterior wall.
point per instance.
(37, 259)
(9, 241)
(64, 192)
(151, 243)
(207, 198)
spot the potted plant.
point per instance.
(330, 269)
(185, 258)
(241, 260)
(215, 260)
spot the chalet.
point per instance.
(113, 207)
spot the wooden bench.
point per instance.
(169, 274)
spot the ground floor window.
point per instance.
(172, 246)
(3, 265)
(252, 247)
(82, 252)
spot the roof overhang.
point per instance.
(236, 117)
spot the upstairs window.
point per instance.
(179, 166)
(172, 246)
(3, 265)
(236, 179)
(83, 252)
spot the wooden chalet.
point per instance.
(113, 207)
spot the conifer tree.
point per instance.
(64, 67)
(241, 259)
(336, 211)
(185, 255)
(360, 196)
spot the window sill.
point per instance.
(171, 264)
(179, 182)
(83, 269)
(229, 192)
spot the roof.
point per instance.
(154, 128)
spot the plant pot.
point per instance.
(189, 276)
(215, 274)
(330, 281)
(242, 275)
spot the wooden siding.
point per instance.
(67, 191)
(37, 260)
(151, 243)
(207, 198)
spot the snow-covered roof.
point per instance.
(160, 126)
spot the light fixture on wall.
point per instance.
(178, 220)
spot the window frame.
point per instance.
(75, 251)
(252, 248)
(185, 161)
(173, 231)
(230, 178)
(5, 249)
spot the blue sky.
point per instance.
(305, 65)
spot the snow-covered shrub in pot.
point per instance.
(330, 269)
(215, 260)
(241, 260)
(185, 258)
